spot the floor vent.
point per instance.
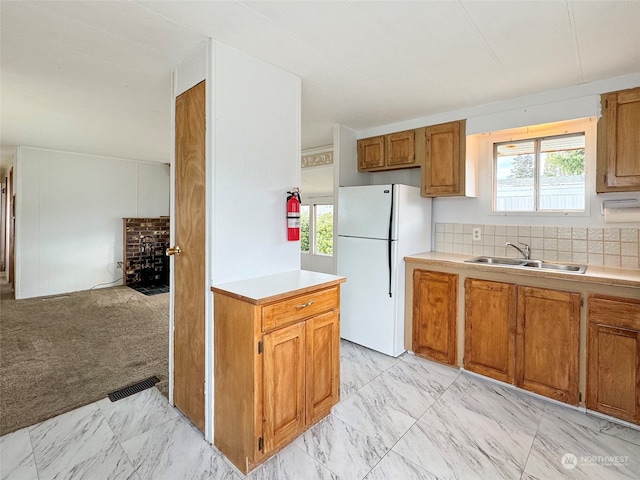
(131, 389)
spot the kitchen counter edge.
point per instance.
(279, 286)
(601, 275)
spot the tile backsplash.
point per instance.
(609, 247)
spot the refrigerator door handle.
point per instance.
(389, 238)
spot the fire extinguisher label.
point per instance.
(293, 222)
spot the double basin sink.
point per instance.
(528, 264)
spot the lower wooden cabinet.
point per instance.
(277, 369)
(322, 365)
(613, 357)
(435, 311)
(548, 343)
(523, 335)
(301, 377)
(490, 328)
(284, 386)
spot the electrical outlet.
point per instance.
(477, 234)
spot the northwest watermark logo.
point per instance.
(570, 461)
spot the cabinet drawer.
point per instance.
(296, 308)
(614, 311)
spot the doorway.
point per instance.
(189, 256)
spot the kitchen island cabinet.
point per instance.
(613, 356)
(276, 361)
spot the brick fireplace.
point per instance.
(145, 243)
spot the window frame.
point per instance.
(312, 204)
(542, 131)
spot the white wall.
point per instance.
(256, 160)
(69, 210)
(345, 159)
(553, 106)
(253, 144)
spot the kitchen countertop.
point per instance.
(601, 275)
(270, 288)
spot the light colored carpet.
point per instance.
(60, 353)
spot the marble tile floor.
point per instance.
(404, 418)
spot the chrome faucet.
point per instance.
(526, 253)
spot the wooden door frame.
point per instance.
(207, 281)
(11, 230)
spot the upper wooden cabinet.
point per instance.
(388, 152)
(613, 357)
(401, 150)
(443, 170)
(618, 164)
(435, 311)
(441, 151)
(371, 154)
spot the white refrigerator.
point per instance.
(378, 225)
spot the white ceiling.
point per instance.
(94, 76)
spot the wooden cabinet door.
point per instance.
(490, 328)
(619, 154)
(283, 384)
(547, 343)
(435, 301)
(322, 365)
(445, 151)
(401, 148)
(371, 153)
(613, 381)
(613, 357)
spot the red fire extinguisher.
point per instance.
(293, 215)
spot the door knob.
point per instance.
(173, 251)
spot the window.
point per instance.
(304, 228)
(316, 229)
(545, 174)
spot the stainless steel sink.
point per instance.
(524, 263)
(555, 266)
(496, 260)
